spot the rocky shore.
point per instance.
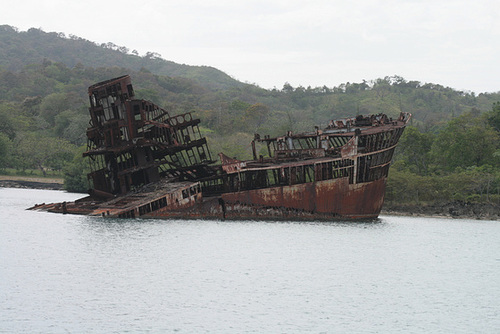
(456, 209)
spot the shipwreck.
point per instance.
(147, 163)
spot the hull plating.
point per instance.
(325, 200)
(145, 162)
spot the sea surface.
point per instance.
(74, 274)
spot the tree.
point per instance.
(465, 141)
(494, 116)
(44, 152)
(52, 105)
(71, 125)
(75, 173)
(414, 150)
(7, 126)
(287, 88)
(5, 149)
(255, 116)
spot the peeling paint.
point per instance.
(147, 163)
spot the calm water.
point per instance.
(61, 273)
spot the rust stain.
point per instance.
(147, 163)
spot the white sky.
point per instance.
(454, 43)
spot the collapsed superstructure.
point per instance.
(148, 163)
(134, 142)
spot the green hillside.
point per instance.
(18, 49)
(454, 135)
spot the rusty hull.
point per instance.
(146, 163)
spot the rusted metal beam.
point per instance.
(336, 172)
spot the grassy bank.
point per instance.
(34, 175)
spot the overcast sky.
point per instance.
(454, 43)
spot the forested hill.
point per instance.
(44, 113)
(20, 48)
(40, 67)
(22, 52)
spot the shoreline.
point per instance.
(451, 210)
(26, 182)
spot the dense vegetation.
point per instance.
(450, 151)
(458, 161)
